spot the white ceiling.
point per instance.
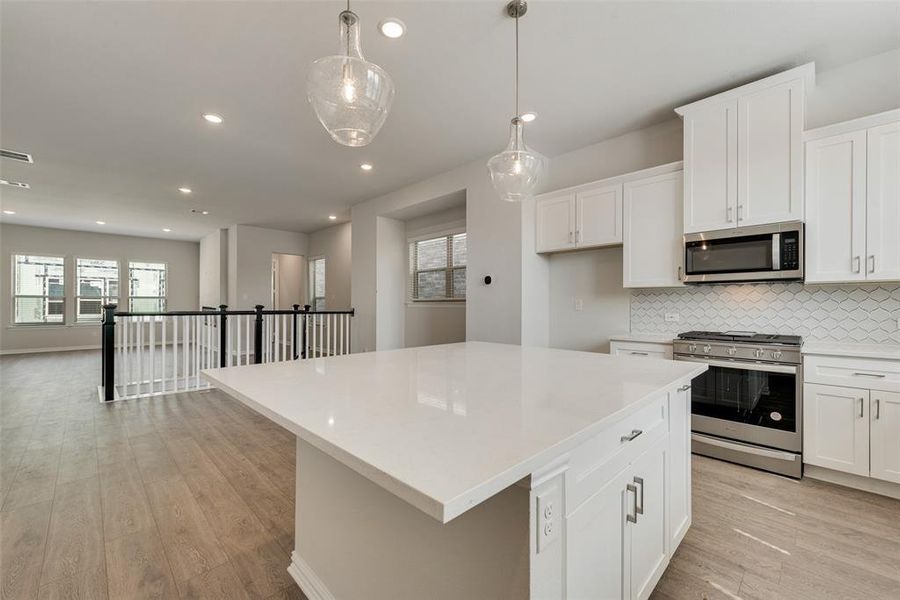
(107, 96)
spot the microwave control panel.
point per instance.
(790, 251)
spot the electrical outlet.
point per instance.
(548, 518)
(672, 317)
(579, 304)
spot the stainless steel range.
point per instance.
(748, 407)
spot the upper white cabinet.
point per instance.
(653, 252)
(853, 201)
(585, 218)
(743, 154)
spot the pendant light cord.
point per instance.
(518, 8)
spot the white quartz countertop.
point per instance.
(653, 338)
(447, 427)
(888, 351)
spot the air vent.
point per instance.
(17, 184)
(19, 156)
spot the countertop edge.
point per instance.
(852, 350)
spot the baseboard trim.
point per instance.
(866, 484)
(44, 350)
(306, 578)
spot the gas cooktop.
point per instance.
(749, 337)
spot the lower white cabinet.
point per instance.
(652, 239)
(885, 436)
(640, 349)
(836, 428)
(618, 537)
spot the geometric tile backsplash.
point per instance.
(840, 313)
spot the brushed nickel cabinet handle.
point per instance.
(684, 388)
(871, 263)
(877, 408)
(875, 375)
(861, 413)
(728, 214)
(740, 212)
(679, 273)
(634, 433)
(639, 507)
(632, 518)
(635, 352)
(856, 267)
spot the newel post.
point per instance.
(223, 335)
(108, 351)
(258, 336)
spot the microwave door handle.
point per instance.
(776, 251)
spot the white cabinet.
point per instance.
(853, 202)
(883, 203)
(652, 231)
(586, 218)
(743, 154)
(836, 428)
(678, 471)
(598, 216)
(885, 436)
(555, 223)
(640, 349)
(852, 428)
(649, 535)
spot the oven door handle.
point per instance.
(746, 366)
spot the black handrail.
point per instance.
(108, 332)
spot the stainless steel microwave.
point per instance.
(757, 253)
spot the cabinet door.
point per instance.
(883, 203)
(710, 168)
(597, 544)
(836, 428)
(678, 471)
(653, 224)
(641, 349)
(770, 155)
(885, 434)
(555, 223)
(598, 217)
(836, 208)
(649, 536)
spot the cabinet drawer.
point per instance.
(641, 349)
(864, 373)
(593, 464)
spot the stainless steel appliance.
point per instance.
(748, 407)
(757, 253)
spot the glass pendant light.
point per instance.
(351, 96)
(516, 171)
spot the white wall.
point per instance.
(214, 268)
(182, 258)
(334, 244)
(391, 283)
(250, 252)
(289, 272)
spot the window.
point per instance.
(317, 283)
(39, 289)
(147, 287)
(437, 268)
(98, 284)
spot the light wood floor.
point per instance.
(191, 496)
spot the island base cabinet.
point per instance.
(616, 541)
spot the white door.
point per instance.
(649, 536)
(836, 208)
(883, 203)
(836, 428)
(678, 471)
(555, 223)
(598, 217)
(710, 168)
(596, 540)
(652, 232)
(885, 435)
(770, 155)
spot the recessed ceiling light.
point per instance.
(166, 229)
(205, 212)
(332, 217)
(366, 167)
(529, 117)
(17, 184)
(185, 190)
(9, 212)
(100, 222)
(392, 27)
(213, 118)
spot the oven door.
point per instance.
(757, 403)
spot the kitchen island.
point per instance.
(478, 470)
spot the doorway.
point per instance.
(288, 281)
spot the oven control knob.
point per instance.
(692, 347)
(707, 348)
(760, 352)
(732, 351)
(776, 355)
